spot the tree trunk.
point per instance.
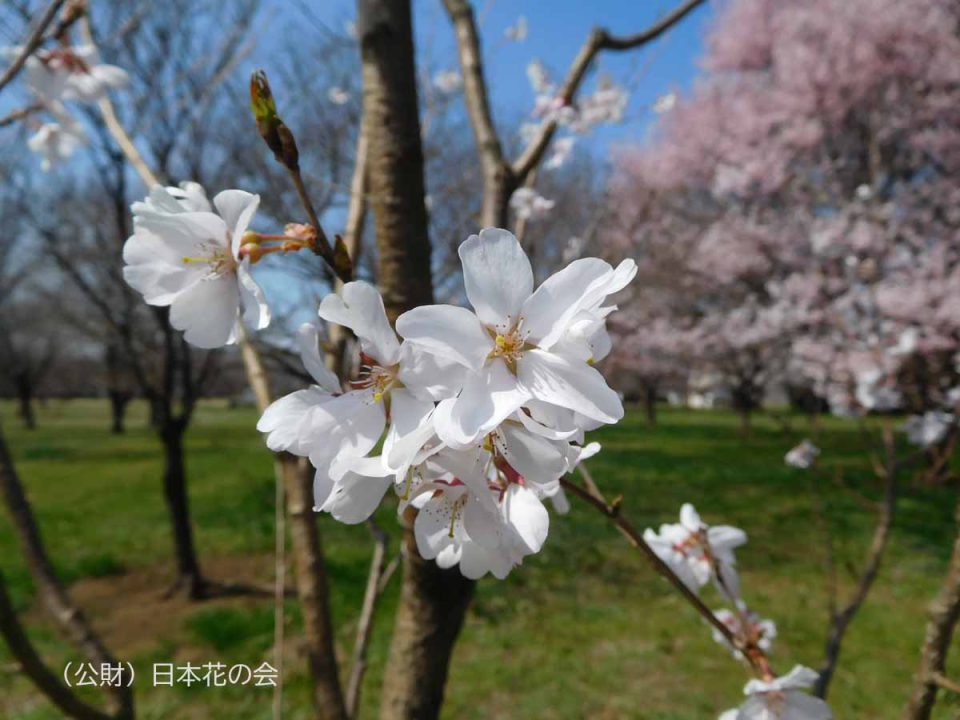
(25, 400)
(312, 589)
(944, 614)
(189, 578)
(433, 602)
(650, 404)
(118, 410)
(68, 616)
(744, 414)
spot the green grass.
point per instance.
(585, 629)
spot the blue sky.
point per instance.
(556, 29)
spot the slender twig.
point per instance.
(840, 620)
(33, 42)
(754, 654)
(115, 127)
(944, 613)
(378, 565)
(20, 114)
(32, 665)
(597, 40)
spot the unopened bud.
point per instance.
(275, 134)
(252, 251)
(250, 237)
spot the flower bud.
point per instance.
(301, 232)
(275, 134)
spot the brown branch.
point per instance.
(498, 182)
(33, 42)
(378, 566)
(32, 665)
(754, 654)
(598, 40)
(352, 240)
(944, 614)
(840, 621)
(20, 114)
(67, 615)
(296, 481)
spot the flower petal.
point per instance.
(553, 306)
(576, 386)
(497, 275)
(450, 332)
(487, 398)
(308, 340)
(360, 308)
(207, 312)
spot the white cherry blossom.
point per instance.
(697, 552)
(783, 698)
(71, 73)
(338, 96)
(562, 149)
(665, 103)
(189, 258)
(517, 31)
(448, 81)
(528, 204)
(928, 429)
(507, 342)
(748, 626)
(56, 141)
(802, 456)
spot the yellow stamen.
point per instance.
(377, 396)
(195, 259)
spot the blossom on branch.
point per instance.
(928, 429)
(782, 698)
(803, 456)
(698, 553)
(185, 253)
(528, 204)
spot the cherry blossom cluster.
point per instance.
(699, 554)
(471, 416)
(54, 78)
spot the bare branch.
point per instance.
(67, 615)
(378, 566)
(33, 42)
(944, 614)
(754, 654)
(598, 40)
(840, 620)
(32, 665)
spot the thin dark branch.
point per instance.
(597, 40)
(840, 620)
(754, 655)
(378, 566)
(33, 42)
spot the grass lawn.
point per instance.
(585, 629)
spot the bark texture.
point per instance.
(311, 574)
(944, 614)
(52, 593)
(433, 602)
(189, 577)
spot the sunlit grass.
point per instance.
(583, 630)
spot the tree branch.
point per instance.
(32, 665)
(598, 40)
(754, 654)
(378, 566)
(840, 621)
(33, 42)
(944, 614)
